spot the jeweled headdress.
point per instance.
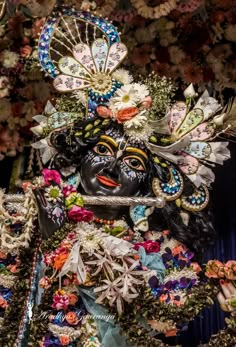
(82, 52)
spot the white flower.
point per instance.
(230, 33)
(122, 76)
(142, 35)
(142, 90)
(124, 97)
(5, 109)
(138, 121)
(2, 30)
(81, 97)
(37, 130)
(176, 54)
(138, 134)
(190, 92)
(9, 59)
(4, 86)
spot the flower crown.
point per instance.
(82, 53)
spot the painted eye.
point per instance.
(135, 163)
(103, 149)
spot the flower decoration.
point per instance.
(149, 246)
(91, 69)
(80, 214)
(53, 194)
(51, 176)
(217, 269)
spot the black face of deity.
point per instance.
(114, 167)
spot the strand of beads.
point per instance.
(29, 301)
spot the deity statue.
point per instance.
(109, 239)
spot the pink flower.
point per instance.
(60, 302)
(147, 102)
(48, 259)
(25, 51)
(196, 267)
(80, 214)
(67, 190)
(45, 282)
(215, 269)
(51, 175)
(149, 246)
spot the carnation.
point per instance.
(122, 76)
(9, 59)
(176, 54)
(230, 33)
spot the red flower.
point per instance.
(149, 246)
(51, 175)
(80, 214)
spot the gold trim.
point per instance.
(110, 139)
(136, 150)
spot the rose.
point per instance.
(196, 267)
(214, 269)
(45, 282)
(51, 175)
(149, 246)
(67, 190)
(3, 302)
(146, 102)
(79, 214)
(178, 250)
(72, 318)
(25, 51)
(231, 264)
(126, 114)
(72, 299)
(60, 302)
(64, 340)
(229, 273)
(104, 112)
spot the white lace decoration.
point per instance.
(26, 216)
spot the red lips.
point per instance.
(107, 181)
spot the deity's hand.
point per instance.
(227, 297)
(51, 211)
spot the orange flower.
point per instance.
(72, 299)
(215, 269)
(64, 340)
(13, 268)
(72, 318)
(3, 302)
(3, 255)
(171, 332)
(163, 297)
(126, 114)
(229, 274)
(104, 111)
(231, 264)
(196, 267)
(177, 250)
(60, 260)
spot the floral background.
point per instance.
(188, 40)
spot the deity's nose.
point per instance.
(112, 170)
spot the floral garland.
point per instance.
(15, 288)
(107, 263)
(154, 12)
